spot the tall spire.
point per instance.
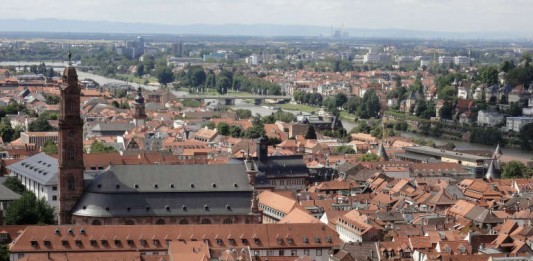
(382, 153)
(497, 152)
(492, 173)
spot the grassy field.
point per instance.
(135, 79)
(299, 107)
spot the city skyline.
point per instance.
(440, 16)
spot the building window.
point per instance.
(319, 252)
(228, 221)
(206, 221)
(294, 252)
(281, 252)
(71, 183)
(71, 153)
(306, 252)
(54, 188)
(54, 197)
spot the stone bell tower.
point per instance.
(70, 160)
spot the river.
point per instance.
(240, 104)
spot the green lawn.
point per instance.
(298, 107)
(135, 79)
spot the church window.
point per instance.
(71, 183)
(71, 153)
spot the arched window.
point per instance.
(71, 183)
(205, 221)
(129, 222)
(71, 153)
(228, 221)
(160, 222)
(184, 222)
(96, 222)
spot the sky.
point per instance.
(430, 15)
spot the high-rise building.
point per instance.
(70, 160)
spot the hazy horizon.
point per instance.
(422, 15)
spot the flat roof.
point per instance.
(444, 153)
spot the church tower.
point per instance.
(70, 161)
(139, 116)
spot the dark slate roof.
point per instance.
(482, 215)
(166, 190)
(40, 167)
(5, 193)
(281, 167)
(113, 126)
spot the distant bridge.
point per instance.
(230, 99)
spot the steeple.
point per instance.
(262, 149)
(382, 153)
(492, 173)
(139, 116)
(497, 152)
(71, 167)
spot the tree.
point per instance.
(210, 81)
(310, 134)
(164, 75)
(369, 107)
(140, 70)
(340, 99)
(28, 210)
(197, 76)
(446, 111)
(235, 131)
(489, 75)
(223, 84)
(526, 136)
(115, 104)
(243, 114)
(14, 184)
(41, 123)
(515, 109)
(223, 128)
(344, 150)
(4, 252)
(6, 131)
(514, 169)
(369, 157)
(50, 147)
(99, 147)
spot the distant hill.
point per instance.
(77, 26)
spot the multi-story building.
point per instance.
(461, 61)
(516, 123)
(489, 118)
(446, 60)
(259, 240)
(37, 137)
(38, 174)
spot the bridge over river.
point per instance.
(230, 99)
